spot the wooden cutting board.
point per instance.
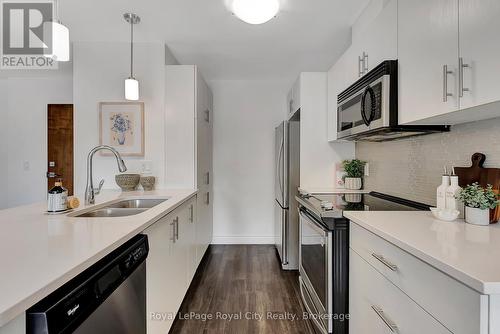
(477, 173)
(484, 176)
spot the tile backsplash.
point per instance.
(411, 168)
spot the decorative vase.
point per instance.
(353, 183)
(477, 216)
(121, 138)
(148, 182)
(128, 182)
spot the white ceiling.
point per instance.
(307, 35)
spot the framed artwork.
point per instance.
(121, 126)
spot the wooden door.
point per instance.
(60, 145)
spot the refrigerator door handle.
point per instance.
(280, 171)
(284, 236)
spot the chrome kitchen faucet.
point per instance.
(90, 192)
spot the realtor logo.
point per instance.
(27, 35)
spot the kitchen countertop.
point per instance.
(41, 252)
(468, 253)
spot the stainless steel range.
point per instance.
(324, 249)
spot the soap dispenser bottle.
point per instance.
(441, 191)
(452, 191)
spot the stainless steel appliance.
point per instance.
(109, 297)
(368, 109)
(287, 174)
(324, 252)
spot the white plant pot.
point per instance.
(353, 183)
(477, 216)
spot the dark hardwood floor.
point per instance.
(245, 282)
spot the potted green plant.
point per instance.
(478, 202)
(354, 170)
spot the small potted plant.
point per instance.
(354, 170)
(478, 203)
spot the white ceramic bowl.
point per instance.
(445, 214)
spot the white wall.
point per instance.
(245, 114)
(4, 144)
(24, 98)
(99, 71)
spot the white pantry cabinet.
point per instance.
(317, 156)
(293, 98)
(480, 51)
(170, 265)
(428, 55)
(189, 138)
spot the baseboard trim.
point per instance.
(242, 240)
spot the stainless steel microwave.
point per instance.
(368, 109)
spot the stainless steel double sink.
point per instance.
(123, 208)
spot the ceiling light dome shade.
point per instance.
(131, 89)
(59, 39)
(255, 11)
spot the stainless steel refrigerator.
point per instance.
(287, 175)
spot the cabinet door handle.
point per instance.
(207, 198)
(191, 213)
(176, 220)
(392, 326)
(365, 62)
(386, 263)
(446, 72)
(207, 181)
(291, 106)
(173, 231)
(360, 66)
(207, 116)
(461, 66)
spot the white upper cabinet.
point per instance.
(428, 58)
(480, 51)
(379, 41)
(461, 35)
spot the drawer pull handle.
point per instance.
(392, 326)
(386, 263)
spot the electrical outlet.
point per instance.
(367, 169)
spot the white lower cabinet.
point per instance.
(376, 306)
(415, 296)
(171, 265)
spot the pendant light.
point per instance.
(59, 37)
(131, 84)
(255, 11)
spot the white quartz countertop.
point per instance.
(468, 253)
(41, 252)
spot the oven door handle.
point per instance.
(311, 222)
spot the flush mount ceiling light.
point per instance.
(255, 11)
(59, 37)
(131, 84)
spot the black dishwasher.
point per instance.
(109, 297)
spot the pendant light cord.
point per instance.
(56, 11)
(131, 48)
